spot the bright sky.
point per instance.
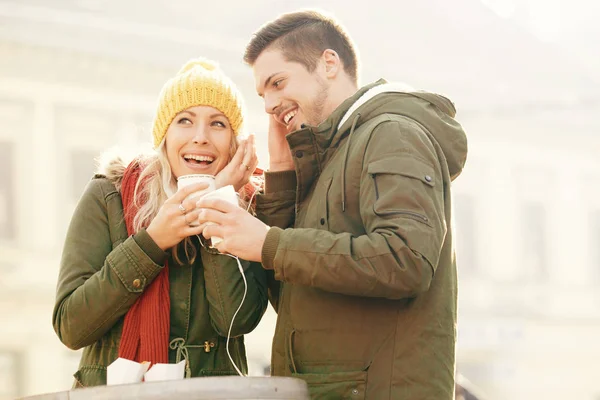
(543, 17)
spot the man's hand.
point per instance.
(280, 156)
(242, 234)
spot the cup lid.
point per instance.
(207, 176)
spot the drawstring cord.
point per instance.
(346, 161)
(182, 353)
(240, 373)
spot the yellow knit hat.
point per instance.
(200, 82)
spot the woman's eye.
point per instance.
(219, 124)
(277, 83)
(184, 120)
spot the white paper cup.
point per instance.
(186, 180)
(228, 194)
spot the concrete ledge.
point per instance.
(217, 388)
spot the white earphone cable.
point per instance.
(243, 297)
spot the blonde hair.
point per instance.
(157, 183)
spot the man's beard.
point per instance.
(315, 116)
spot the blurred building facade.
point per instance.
(76, 80)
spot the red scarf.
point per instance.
(146, 327)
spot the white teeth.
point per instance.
(198, 158)
(289, 116)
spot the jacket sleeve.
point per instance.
(225, 290)
(98, 284)
(277, 207)
(402, 209)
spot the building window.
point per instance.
(466, 246)
(10, 375)
(536, 190)
(534, 250)
(7, 203)
(594, 243)
(82, 165)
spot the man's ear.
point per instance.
(331, 63)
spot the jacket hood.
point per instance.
(112, 165)
(434, 112)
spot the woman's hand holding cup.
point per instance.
(177, 218)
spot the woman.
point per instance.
(135, 280)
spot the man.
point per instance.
(356, 219)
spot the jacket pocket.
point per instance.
(90, 376)
(338, 385)
(95, 358)
(409, 202)
(397, 175)
(318, 209)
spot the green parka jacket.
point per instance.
(103, 271)
(361, 247)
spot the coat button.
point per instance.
(322, 221)
(355, 391)
(137, 283)
(299, 154)
(428, 178)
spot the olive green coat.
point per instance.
(103, 272)
(363, 245)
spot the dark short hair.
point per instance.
(303, 36)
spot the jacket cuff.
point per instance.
(133, 266)
(280, 181)
(149, 246)
(269, 248)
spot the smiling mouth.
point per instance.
(198, 160)
(289, 116)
